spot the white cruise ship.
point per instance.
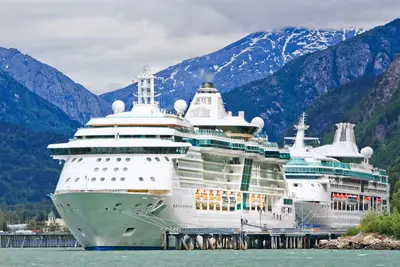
(334, 185)
(133, 174)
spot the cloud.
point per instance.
(100, 43)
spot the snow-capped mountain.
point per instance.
(250, 58)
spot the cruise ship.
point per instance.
(334, 185)
(131, 175)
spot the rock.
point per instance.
(361, 241)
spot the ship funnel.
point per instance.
(344, 136)
(207, 85)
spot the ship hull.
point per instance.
(123, 221)
(320, 215)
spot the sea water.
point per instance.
(222, 258)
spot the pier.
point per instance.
(38, 240)
(233, 238)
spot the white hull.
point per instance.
(321, 215)
(115, 221)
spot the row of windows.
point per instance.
(119, 150)
(113, 179)
(115, 169)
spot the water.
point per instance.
(223, 258)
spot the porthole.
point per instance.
(113, 179)
(73, 159)
(107, 159)
(157, 158)
(116, 169)
(166, 158)
(105, 169)
(141, 179)
(99, 159)
(96, 169)
(69, 178)
(153, 179)
(125, 169)
(77, 179)
(102, 179)
(79, 160)
(118, 159)
(122, 179)
(93, 179)
(148, 159)
(127, 159)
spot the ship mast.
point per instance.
(145, 84)
(300, 127)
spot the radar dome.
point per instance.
(367, 152)
(180, 106)
(118, 106)
(259, 121)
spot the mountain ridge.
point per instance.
(281, 97)
(228, 67)
(52, 85)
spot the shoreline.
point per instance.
(361, 241)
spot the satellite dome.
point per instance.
(367, 152)
(180, 106)
(259, 121)
(118, 106)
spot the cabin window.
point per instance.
(79, 160)
(118, 159)
(153, 179)
(166, 158)
(77, 179)
(141, 179)
(93, 179)
(69, 178)
(149, 159)
(96, 169)
(127, 159)
(125, 169)
(113, 179)
(102, 179)
(107, 159)
(105, 169)
(99, 159)
(122, 179)
(116, 169)
(73, 160)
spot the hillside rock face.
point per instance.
(280, 98)
(251, 58)
(50, 84)
(20, 106)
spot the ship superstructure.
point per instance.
(133, 174)
(335, 184)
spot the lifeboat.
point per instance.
(379, 199)
(367, 198)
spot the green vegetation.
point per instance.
(383, 223)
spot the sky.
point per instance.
(103, 44)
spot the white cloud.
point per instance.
(101, 43)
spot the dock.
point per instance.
(233, 238)
(38, 240)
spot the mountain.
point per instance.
(28, 124)
(375, 111)
(18, 105)
(280, 98)
(27, 173)
(250, 58)
(50, 84)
